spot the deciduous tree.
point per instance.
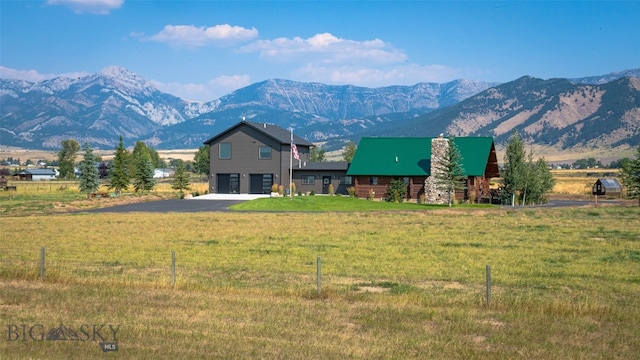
(67, 158)
(515, 167)
(316, 154)
(348, 151)
(524, 180)
(539, 181)
(201, 160)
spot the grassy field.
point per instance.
(395, 284)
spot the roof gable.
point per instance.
(412, 156)
(275, 132)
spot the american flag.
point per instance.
(294, 149)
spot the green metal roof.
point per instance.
(396, 156)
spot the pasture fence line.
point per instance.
(231, 272)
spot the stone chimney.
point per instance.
(439, 149)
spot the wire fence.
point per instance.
(167, 269)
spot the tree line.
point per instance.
(135, 168)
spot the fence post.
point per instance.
(173, 268)
(42, 263)
(488, 285)
(319, 275)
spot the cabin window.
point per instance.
(373, 180)
(346, 180)
(224, 151)
(308, 179)
(264, 152)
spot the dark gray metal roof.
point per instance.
(279, 134)
(610, 184)
(39, 172)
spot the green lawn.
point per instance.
(332, 203)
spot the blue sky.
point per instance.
(201, 50)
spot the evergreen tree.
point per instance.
(67, 158)
(89, 175)
(120, 170)
(349, 151)
(515, 167)
(143, 178)
(201, 160)
(449, 175)
(181, 178)
(396, 191)
(630, 176)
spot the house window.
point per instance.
(406, 181)
(224, 151)
(264, 152)
(346, 180)
(373, 180)
(308, 180)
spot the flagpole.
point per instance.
(291, 166)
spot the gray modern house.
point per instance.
(249, 158)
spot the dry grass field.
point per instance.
(24, 154)
(394, 284)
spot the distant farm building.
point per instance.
(607, 187)
(36, 174)
(163, 173)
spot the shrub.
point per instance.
(396, 191)
(274, 188)
(311, 193)
(421, 199)
(352, 191)
(331, 190)
(371, 195)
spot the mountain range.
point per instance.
(599, 111)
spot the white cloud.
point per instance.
(326, 48)
(101, 7)
(399, 74)
(33, 75)
(192, 36)
(211, 90)
(329, 59)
